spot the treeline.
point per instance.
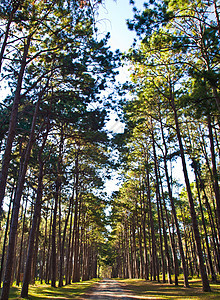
(162, 230)
(54, 149)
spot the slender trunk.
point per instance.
(141, 252)
(165, 233)
(204, 224)
(63, 243)
(11, 132)
(18, 279)
(56, 199)
(127, 249)
(16, 206)
(48, 265)
(44, 248)
(16, 4)
(205, 282)
(35, 252)
(67, 277)
(214, 171)
(213, 229)
(6, 235)
(146, 270)
(131, 246)
(134, 249)
(36, 216)
(158, 200)
(75, 222)
(154, 258)
(53, 238)
(185, 274)
(76, 270)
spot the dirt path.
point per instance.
(108, 289)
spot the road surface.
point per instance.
(108, 289)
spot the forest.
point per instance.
(59, 86)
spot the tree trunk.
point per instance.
(76, 269)
(205, 282)
(63, 242)
(146, 269)
(11, 132)
(185, 274)
(18, 279)
(36, 216)
(154, 250)
(6, 235)
(214, 171)
(16, 206)
(165, 233)
(68, 260)
(76, 221)
(204, 224)
(158, 201)
(53, 238)
(16, 5)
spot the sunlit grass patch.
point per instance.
(154, 290)
(45, 291)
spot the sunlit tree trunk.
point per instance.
(16, 205)
(146, 266)
(154, 250)
(214, 171)
(63, 243)
(169, 273)
(204, 277)
(176, 268)
(35, 220)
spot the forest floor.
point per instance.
(45, 291)
(124, 289)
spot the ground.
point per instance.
(123, 289)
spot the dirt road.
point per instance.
(109, 289)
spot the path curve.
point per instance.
(108, 289)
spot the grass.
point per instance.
(45, 291)
(137, 287)
(153, 290)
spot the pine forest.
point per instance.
(59, 224)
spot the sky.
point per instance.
(112, 18)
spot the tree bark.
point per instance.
(18, 279)
(214, 171)
(158, 201)
(63, 242)
(12, 126)
(185, 274)
(16, 5)
(6, 235)
(154, 251)
(205, 282)
(16, 206)
(146, 269)
(36, 216)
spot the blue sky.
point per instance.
(112, 18)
